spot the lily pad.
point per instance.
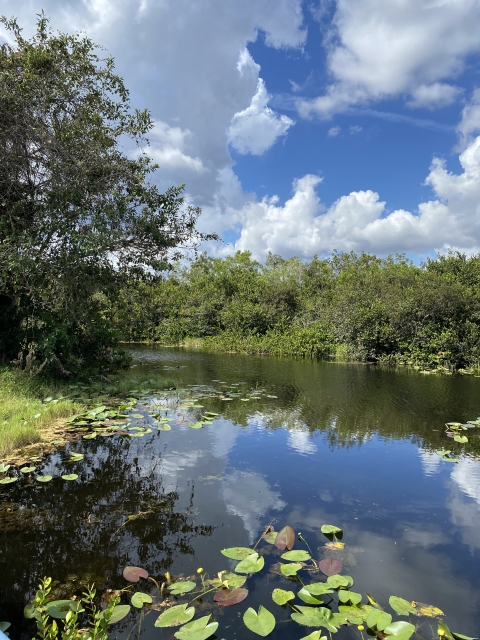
(5, 625)
(401, 629)
(281, 597)
(379, 619)
(318, 588)
(181, 587)
(175, 616)
(89, 436)
(227, 597)
(195, 425)
(290, 569)
(27, 469)
(232, 580)
(164, 427)
(315, 635)
(237, 553)
(401, 606)
(70, 476)
(250, 564)
(270, 537)
(307, 597)
(330, 566)
(462, 439)
(285, 538)
(197, 629)
(4, 467)
(133, 574)
(349, 596)
(139, 599)
(337, 581)
(44, 478)
(8, 480)
(315, 617)
(296, 556)
(330, 529)
(261, 623)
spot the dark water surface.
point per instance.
(348, 445)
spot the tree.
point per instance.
(78, 215)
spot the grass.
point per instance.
(30, 405)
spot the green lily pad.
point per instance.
(315, 635)
(349, 596)
(197, 629)
(181, 587)
(307, 597)
(237, 553)
(70, 476)
(175, 616)
(5, 625)
(281, 597)
(401, 606)
(232, 580)
(139, 599)
(164, 427)
(119, 612)
(27, 469)
(462, 439)
(401, 629)
(44, 478)
(89, 436)
(8, 480)
(338, 581)
(296, 556)
(261, 623)
(270, 537)
(318, 588)
(4, 467)
(379, 619)
(315, 617)
(251, 564)
(195, 425)
(290, 569)
(330, 529)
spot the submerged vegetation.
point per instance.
(351, 307)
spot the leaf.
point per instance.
(446, 459)
(8, 480)
(337, 581)
(296, 556)
(330, 529)
(227, 598)
(281, 597)
(461, 439)
(270, 537)
(133, 574)
(428, 610)
(352, 614)
(401, 628)
(290, 569)
(330, 566)
(89, 436)
(460, 636)
(349, 596)
(197, 629)
(318, 588)
(232, 580)
(237, 553)
(443, 452)
(315, 635)
(443, 631)
(307, 597)
(315, 617)
(261, 623)
(27, 469)
(182, 587)
(4, 467)
(250, 564)
(120, 611)
(401, 606)
(75, 457)
(70, 476)
(285, 538)
(175, 616)
(59, 608)
(44, 478)
(164, 427)
(195, 425)
(384, 619)
(373, 602)
(5, 625)
(139, 599)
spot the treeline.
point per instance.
(353, 307)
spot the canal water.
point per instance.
(294, 442)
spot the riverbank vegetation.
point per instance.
(348, 306)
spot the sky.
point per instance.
(303, 127)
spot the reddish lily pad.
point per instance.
(285, 538)
(227, 598)
(133, 574)
(330, 567)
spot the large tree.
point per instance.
(78, 215)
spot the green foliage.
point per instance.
(353, 307)
(78, 216)
(46, 614)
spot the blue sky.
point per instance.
(301, 127)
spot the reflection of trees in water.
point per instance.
(76, 532)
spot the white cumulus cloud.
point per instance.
(379, 49)
(470, 120)
(359, 221)
(256, 128)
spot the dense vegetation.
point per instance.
(78, 215)
(357, 307)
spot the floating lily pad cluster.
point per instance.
(320, 597)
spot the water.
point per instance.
(348, 445)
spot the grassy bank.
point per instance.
(30, 406)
